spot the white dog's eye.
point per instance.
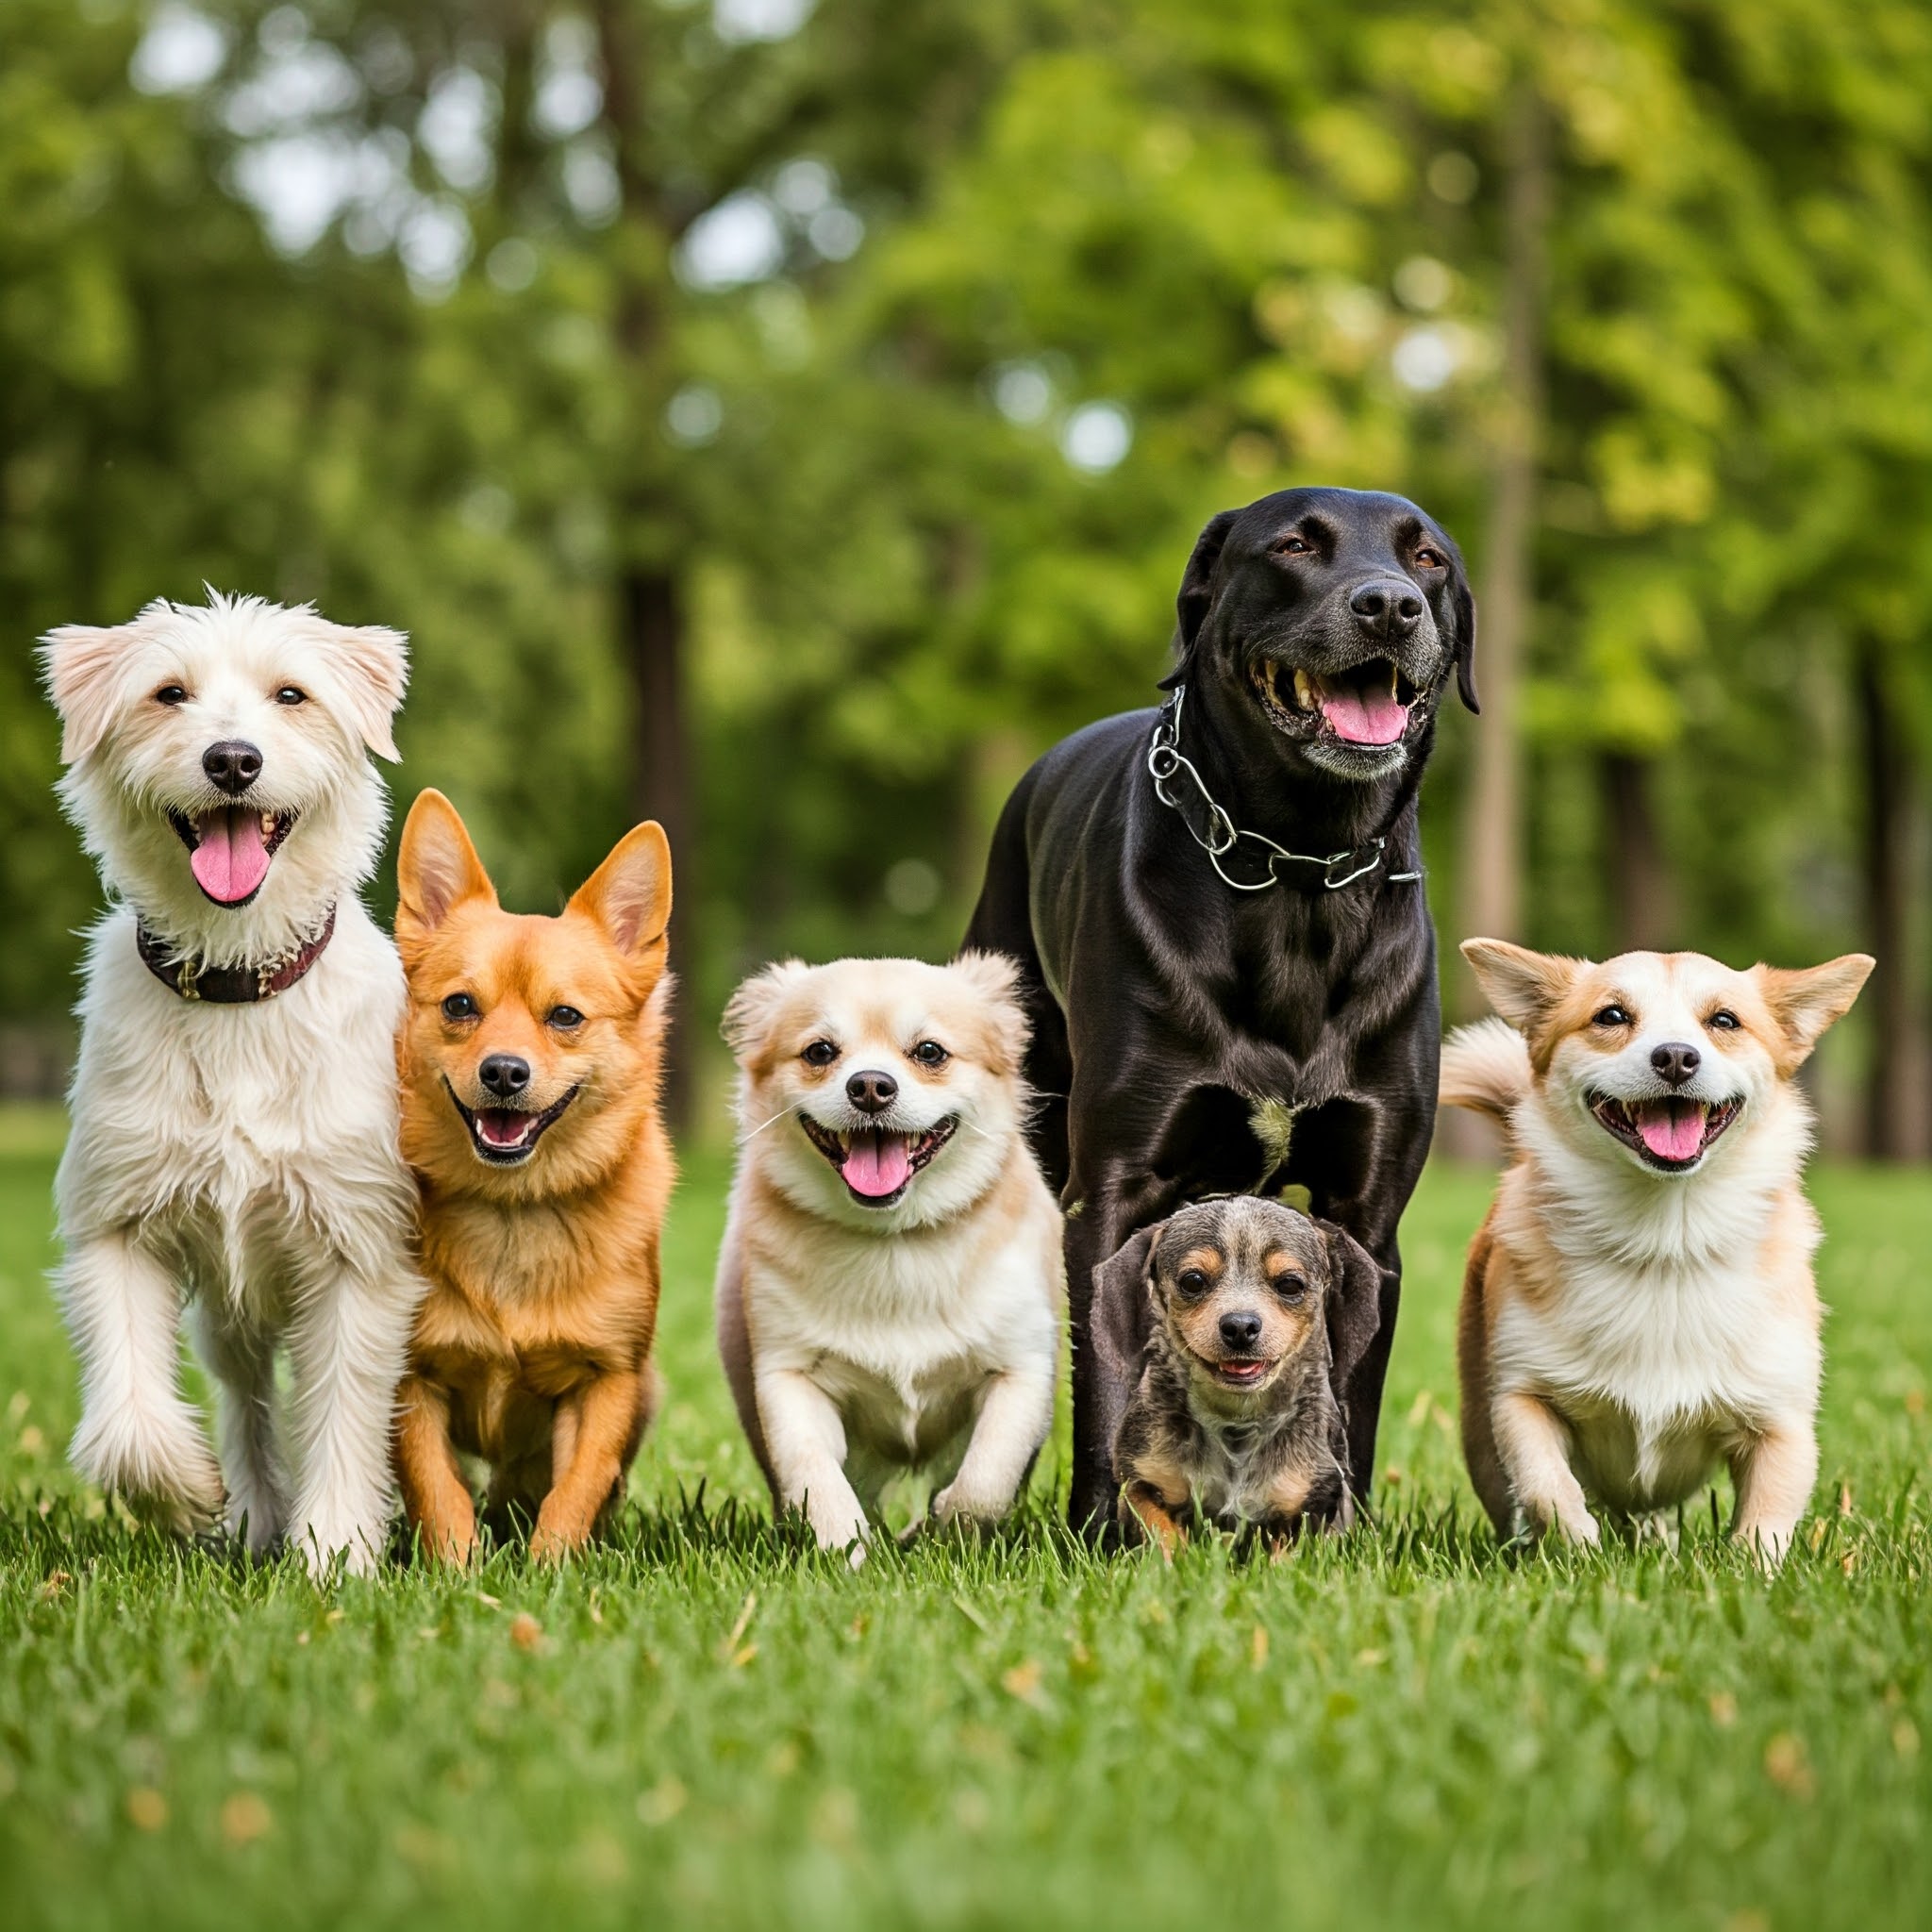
(821, 1053)
(291, 695)
(1724, 1020)
(930, 1052)
(1612, 1015)
(171, 694)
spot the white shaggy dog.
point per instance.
(234, 1109)
(889, 1287)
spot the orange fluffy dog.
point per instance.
(529, 1063)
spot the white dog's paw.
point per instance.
(167, 1476)
(957, 1504)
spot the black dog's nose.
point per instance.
(872, 1092)
(504, 1074)
(233, 766)
(1675, 1060)
(1386, 610)
(1241, 1330)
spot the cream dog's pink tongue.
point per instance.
(1672, 1129)
(877, 1163)
(1365, 717)
(231, 859)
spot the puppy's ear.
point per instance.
(1462, 601)
(1524, 986)
(437, 869)
(1352, 1305)
(1196, 596)
(371, 667)
(995, 978)
(629, 894)
(82, 664)
(1805, 1003)
(1120, 1318)
(750, 1011)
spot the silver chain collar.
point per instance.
(1221, 839)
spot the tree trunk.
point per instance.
(1641, 909)
(1896, 1126)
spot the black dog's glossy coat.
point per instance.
(1171, 1011)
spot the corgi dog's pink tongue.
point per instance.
(877, 1163)
(1365, 717)
(1672, 1129)
(231, 858)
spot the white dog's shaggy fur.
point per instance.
(889, 1287)
(238, 1160)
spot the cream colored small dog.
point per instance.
(889, 1287)
(1639, 1302)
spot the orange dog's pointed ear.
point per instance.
(629, 894)
(1805, 1003)
(1524, 986)
(437, 869)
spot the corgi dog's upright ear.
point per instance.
(1524, 986)
(1805, 1002)
(629, 894)
(437, 869)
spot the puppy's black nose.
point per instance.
(504, 1074)
(872, 1092)
(1386, 610)
(232, 765)
(1240, 1329)
(1676, 1060)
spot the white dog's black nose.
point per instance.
(505, 1074)
(1676, 1060)
(1386, 610)
(232, 764)
(872, 1092)
(1240, 1329)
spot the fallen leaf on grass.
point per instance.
(1258, 1648)
(729, 1651)
(1785, 1765)
(1904, 1738)
(57, 1581)
(245, 1818)
(1723, 1710)
(1022, 1681)
(524, 1632)
(147, 1810)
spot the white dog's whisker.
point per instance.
(744, 1140)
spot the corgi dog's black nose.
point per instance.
(1676, 1060)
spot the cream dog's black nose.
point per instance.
(505, 1074)
(1386, 610)
(232, 764)
(1676, 1060)
(872, 1092)
(1240, 1329)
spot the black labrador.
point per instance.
(1219, 907)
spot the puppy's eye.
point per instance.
(1724, 1020)
(1428, 559)
(459, 1006)
(821, 1053)
(1290, 1287)
(1612, 1015)
(1191, 1283)
(171, 694)
(1294, 546)
(291, 695)
(930, 1052)
(563, 1018)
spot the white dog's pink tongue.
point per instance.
(1672, 1129)
(1365, 717)
(231, 860)
(876, 1164)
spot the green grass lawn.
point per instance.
(705, 1725)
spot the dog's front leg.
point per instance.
(804, 1437)
(347, 1343)
(1012, 1422)
(1534, 1447)
(595, 1426)
(1773, 1473)
(435, 1498)
(137, 1434)
(240, 1357)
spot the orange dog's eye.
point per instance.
(930, 1052)
(821, 1053)
(1612, 1015)
(564, 1018)
(1725, 1019)
(459, 1006)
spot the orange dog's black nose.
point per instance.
(232, 764)
(504, 1074)
(1675, 1060)
(872, 1092)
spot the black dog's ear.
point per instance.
(1196, 593)
(1120, 1315)
(1353, 1305)
(1464, 603)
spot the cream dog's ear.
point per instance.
(437, 869)
(84, 665)
(370, 669)
(629, 894)
(995, 978)
(1524, 986)
(1805, 1003)
(752, 1009)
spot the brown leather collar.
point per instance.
(231, 986)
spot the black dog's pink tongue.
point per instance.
(231, 859)
(877, 1163)
(1365, 717)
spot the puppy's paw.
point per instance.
(957, 1504)
(555, 1543)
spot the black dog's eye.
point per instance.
(459, 1006)
(930, 1052)
(1429, 559)
(821, 1053)
(1612, 1015)
(171, 694)
(1192, 1282)
(1290, 1287)
(1294, 546)
(564, 1017)
(291, 695)
(1724, 1018)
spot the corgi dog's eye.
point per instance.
(291, 695)
(1725, 1021)
(1190, 1284)
(171, 696)
(821, 1053)
(1612, 1015)
(563, 1018)
(930, 1052)
(459, 1006)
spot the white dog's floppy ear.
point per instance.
(750, 1010)
(437, 869)
(1524, 986)
(372, 664)
(1805, 1003)
(81, 663)
(629, 894)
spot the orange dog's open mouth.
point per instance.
(1669, 1135)
(507, 1136)
(876, 1164)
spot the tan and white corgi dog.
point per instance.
(1639, 1301)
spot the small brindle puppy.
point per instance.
(1232, 1419)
